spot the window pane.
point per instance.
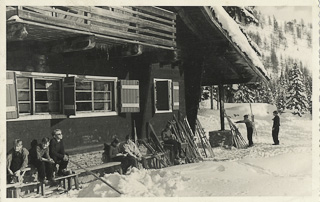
(102, 106)
(83, 85)
(23, 96)
(24, 108)
(47, 107)
(84, 106)
(102, 96)
(102, 85)
(83, 96)
(162, 95)
(47, 96)
(47, 84)
(22, 83)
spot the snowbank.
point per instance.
(138, 183)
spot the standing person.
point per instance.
(249, 128)
(40, 158)
(116, 155)
(132, 151)
(169, 138)
(57, 152)
(17, 160)
(275, 128)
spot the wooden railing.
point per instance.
(149, 25)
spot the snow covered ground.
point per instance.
(262, 170)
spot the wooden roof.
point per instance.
(226, 63)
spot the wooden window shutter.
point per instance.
(129, 96)
(11, 93)
(69, 86)
(175, 95)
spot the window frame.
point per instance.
(32, 77)
(95, 113)
(169, 96)
(42, 115)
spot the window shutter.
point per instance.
(11, 93)
(69, 86)
(129, 96)
(175, 95)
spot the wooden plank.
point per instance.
(132, 19)
(48, 9)
(98, 19)
(168, 20)
(99, 167)
(158, 11)
(92, 28)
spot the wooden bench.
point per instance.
(101, 169)
(15, 190)
(69, 179)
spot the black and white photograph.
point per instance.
(213, 100)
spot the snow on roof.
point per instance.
(237, 36)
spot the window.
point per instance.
(39, 95)
(33, 95)
(93, 96)
(163, 95)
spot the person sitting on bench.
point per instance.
(169, 138)
(116, 155)
(17, 161)
(132, 151)
(57, 153)
(40, 158)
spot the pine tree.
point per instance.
(296, 96)
(275, 24)
(269, 20)
(244, 94)
(309, 39)
(298, 32)
(274, 60)
(282, 88)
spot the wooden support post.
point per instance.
(76, 182)
(69, 184)
(42, 188)
(64, 183)
(221, 96)
(218, 102)
(211, 96)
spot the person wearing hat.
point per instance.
(249, 128)
(275, 128)
(169, 138)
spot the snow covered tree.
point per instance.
(275, 24)
(281, 91)
(296, 95)
(274, 60)
(244, 94)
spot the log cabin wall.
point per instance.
(93, 131)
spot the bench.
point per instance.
(14, 190)
(100, 169)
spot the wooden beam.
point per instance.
(221, 97)
(73, 44)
